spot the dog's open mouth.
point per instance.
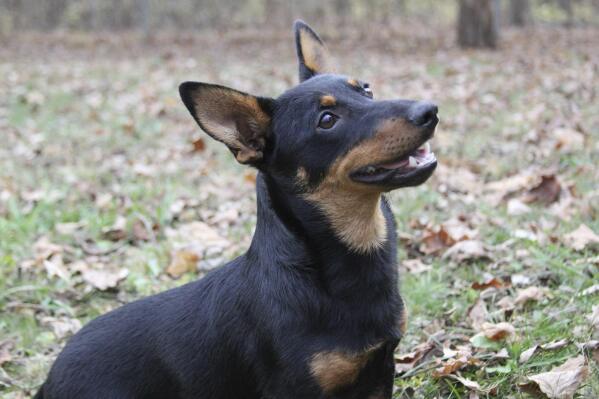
(410, 170)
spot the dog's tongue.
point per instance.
(397, 164)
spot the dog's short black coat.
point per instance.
(312, 310)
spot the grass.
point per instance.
(89, 139)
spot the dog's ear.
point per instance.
(312, 54)
(237, 119)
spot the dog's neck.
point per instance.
(294, 231)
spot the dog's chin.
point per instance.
(410, 170)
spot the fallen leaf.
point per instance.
(472, 385)
(467, 250)
(199, 145)
(527, 354)
(103, 279)
(196, 233)
(452, 365)
(499, 331)
(458, 230)
(546, 192)
(506, 303)
(182, 262)
(5, 347)
(434, 241)
(562, 381)
(491, 282)
(478, 314)
(407, 361)
(568, 140)
(555, 344)
(515, 207)
(501, 189)
(62, 327)
(118, 230)
(529, 294)
(581, 238)
(415, 266)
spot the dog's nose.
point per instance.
(423, 113)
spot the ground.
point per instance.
(109, 192)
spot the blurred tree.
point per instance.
(566, 5)
(477, 24)
(520, 12)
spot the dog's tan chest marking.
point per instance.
(352, 209)
(337, 369)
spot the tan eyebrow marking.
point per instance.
(327, 101)
(353, 82)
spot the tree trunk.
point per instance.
(520, 14)
(566, 5)
(477, 24)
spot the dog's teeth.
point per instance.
(427, 147)
(412, 162)
(370, 169)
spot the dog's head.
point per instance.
(326, 136)
(327, 127)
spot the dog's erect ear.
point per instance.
(312, 54)
(238, 119)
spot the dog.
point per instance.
(312, 309)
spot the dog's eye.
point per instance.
(367, 90)
(327, 120)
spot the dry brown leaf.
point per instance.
(62, 327)
(118, 230)
(555, 344)
(5, 347)
(182, 262)
(499, 331)
(196, 233)
(546, 192)
(506, 303)
(466, 251)
(434, 241)
(529, 294)
(581, 238)
(562, 381)
(491, 282)
(527, 354)
(478, 314)
(515, 207)
(415, 266)
(199, 145)
(568, 140)
(452, 365)
(472, 385)
(504, 187)
(458, 230)
(103, 279)
(408, 361)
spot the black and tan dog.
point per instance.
(312, 310)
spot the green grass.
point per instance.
(110, 139)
